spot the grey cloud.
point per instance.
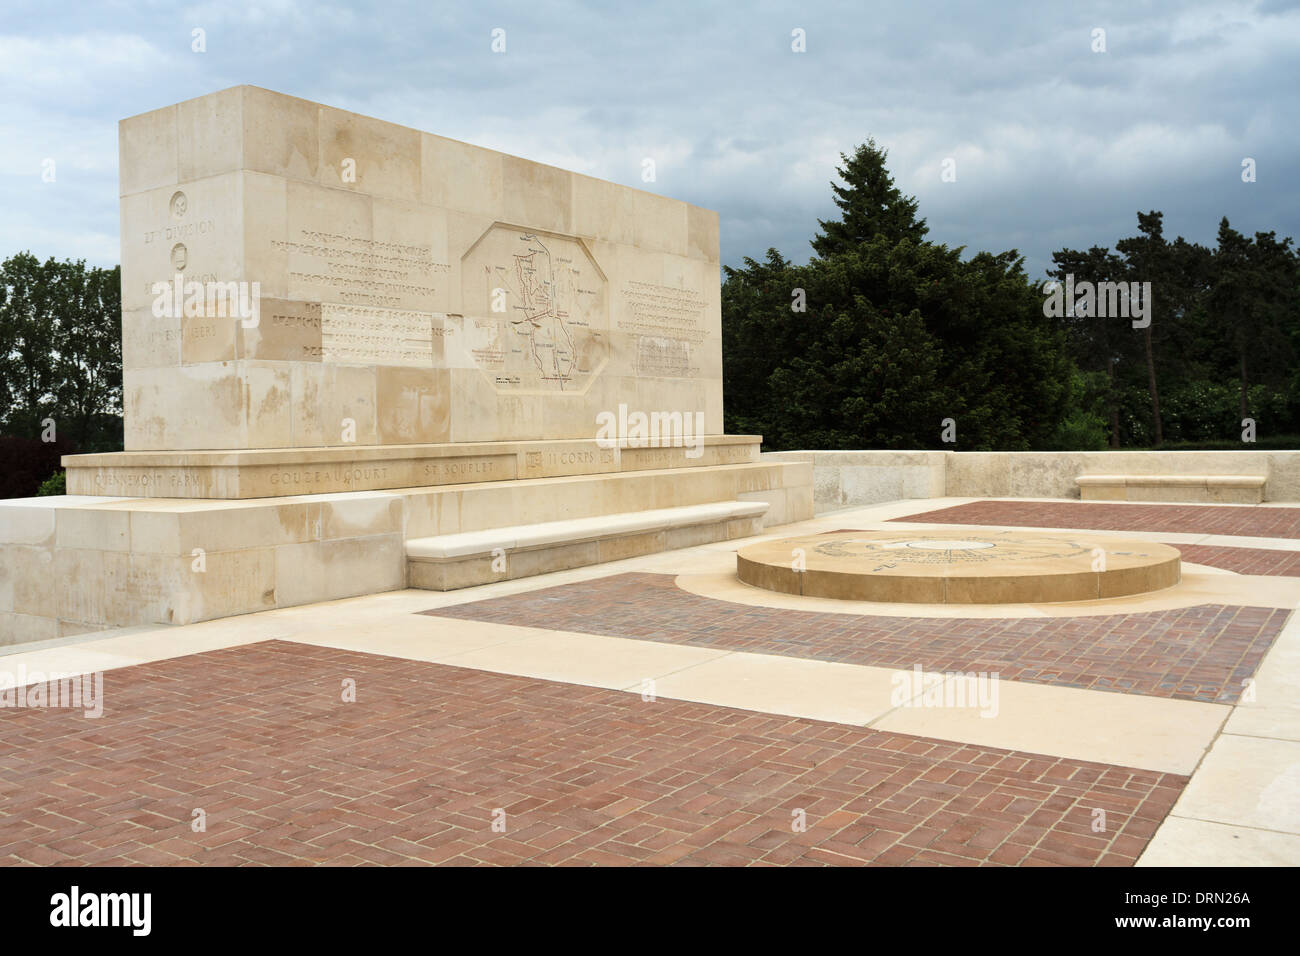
(1055, 144)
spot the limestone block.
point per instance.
(360, 515)
(536, 195)
(383, 158)
(268, 243)
(281, 135)
(96, 529)
(702, 233)
(150, 341)
(603, 211)
(23, 628)
(28, 521)
(8, 560)
(412, 405)
(459, 176)
(210, 134)
(345, 567)
(327, 400)
(147, 151)
(193, 229)
(232, 582)
(660, 223)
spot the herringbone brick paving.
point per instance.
(1262, 561)
(286, 772)
(1198, 653)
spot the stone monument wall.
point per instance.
(409, 288)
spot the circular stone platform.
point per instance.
(966, 566)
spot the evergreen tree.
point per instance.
(898, 334)
(1222, 344)
(1147, 257)
(1253, 300)
(870, 205)
(1097, 343)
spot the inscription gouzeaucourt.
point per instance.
(343, 475)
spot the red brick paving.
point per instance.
(1254, 522)
(1198, 653)
(259, 738)
(1263, 561)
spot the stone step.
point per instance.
(450, 561)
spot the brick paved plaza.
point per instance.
(413, 771)
(655, 711)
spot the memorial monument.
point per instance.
(341, 336)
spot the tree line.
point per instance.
(60, 368)
(1221, 347)
(883, 337)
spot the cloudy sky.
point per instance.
(1054, 144)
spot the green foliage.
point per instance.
(61, 351)
(1200, 411)
(870, 205)
(898, 334)
(56, 484)
(1267, 443)
(1222, 345)
(1084, 427)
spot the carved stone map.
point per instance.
(536, 310)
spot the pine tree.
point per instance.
(871, 204)
(1147, 257)
(898, 334)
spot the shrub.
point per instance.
(1084, 426)
(56, 484)
(1206, 412)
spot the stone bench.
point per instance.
(1231, 489)
(448, 561)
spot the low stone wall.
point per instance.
(845, 479)
(72, 564)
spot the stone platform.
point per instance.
(340, 335)
(970, 566)
(77, 563)
(278, 472)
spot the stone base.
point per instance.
(965, 566)
(73, 563)
(277, 472)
